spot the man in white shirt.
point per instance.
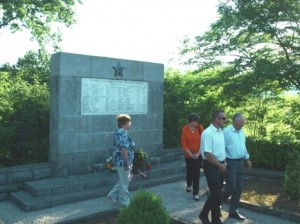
(236, 158)
(213, 152)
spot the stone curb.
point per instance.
(111, 212)
(91, 216)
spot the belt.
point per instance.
(240, 159)
(224, 161)
(205, 160)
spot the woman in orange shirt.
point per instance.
(190, 143)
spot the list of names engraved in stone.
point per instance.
(105, 96)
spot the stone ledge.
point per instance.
(113, 212)
(12, 178)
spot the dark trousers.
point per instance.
(193, 173)
(214, 180)
(234, 183)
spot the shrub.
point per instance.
(268, 154)
(145, 208)
(24, 122)
(292, 175)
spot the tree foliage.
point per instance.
(32, 67)
(24, 87)
(269, 116)
(37, 16)
(24, 111)
(258, 40)
(184, 94)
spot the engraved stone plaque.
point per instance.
(106, 96)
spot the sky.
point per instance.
(142, 30)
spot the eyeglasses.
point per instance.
(223, 118)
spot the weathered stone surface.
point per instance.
(55, 191)
(3, 178)
(21, 176)
(42, 173)
(78, 142)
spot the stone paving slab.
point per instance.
(177, 201)
(181, 206)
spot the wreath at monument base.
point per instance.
(141, 163)
(109, 164)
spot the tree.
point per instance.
(24, 121)
(186, 93)
(37, 16)
(24, 110)
(24, 92)
(258, 40)
(292, 118)
(32, 67)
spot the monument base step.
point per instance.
(63, 190)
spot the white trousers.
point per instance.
(120, 191)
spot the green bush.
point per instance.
(268, 154)
(24, 122)
(272, 120)
(292, 175)
(145, 208)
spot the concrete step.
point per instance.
(28, 202)
(61, 185)
(56, 191)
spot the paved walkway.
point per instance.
(178, 202)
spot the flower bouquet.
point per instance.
(109, 164)
(141, 163)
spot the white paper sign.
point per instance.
(106, 96)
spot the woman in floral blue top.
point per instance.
(123, 154)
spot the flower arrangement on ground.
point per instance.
(109, 164)
(141, 162)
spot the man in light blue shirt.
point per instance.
(237, 158)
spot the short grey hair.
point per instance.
(237, 116)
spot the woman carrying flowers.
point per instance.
(122, 157)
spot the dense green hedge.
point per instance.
(270, 155)
(292, 175)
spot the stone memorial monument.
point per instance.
(87, 93)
